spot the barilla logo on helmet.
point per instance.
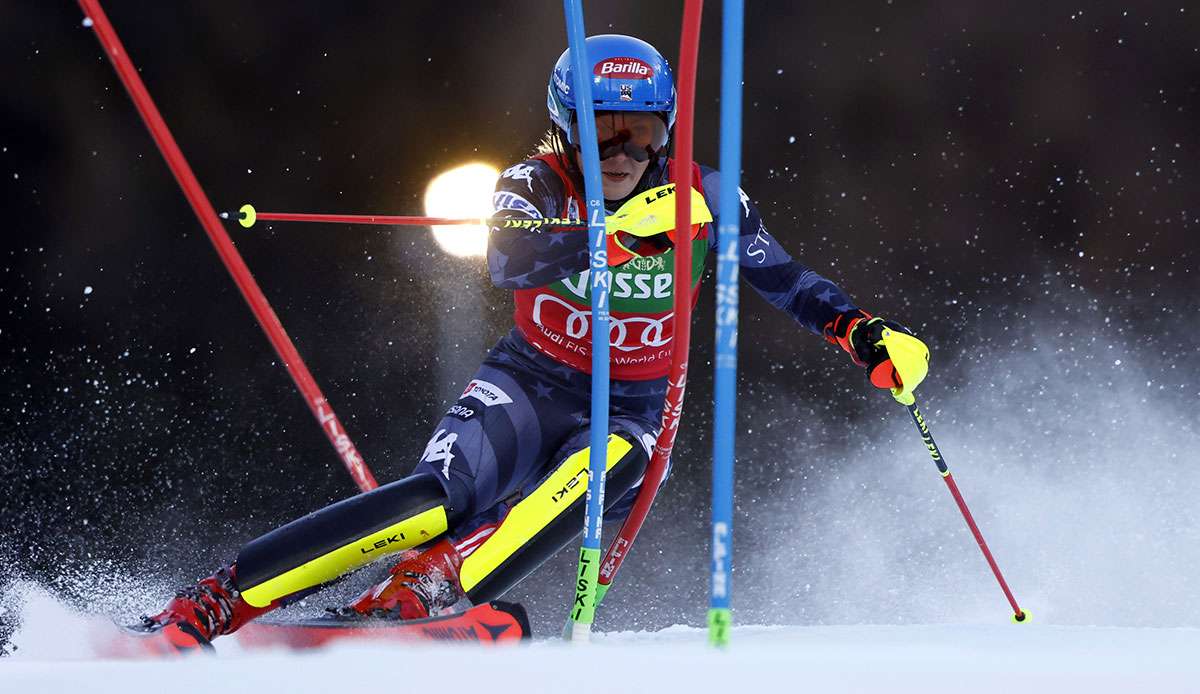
(624, 68)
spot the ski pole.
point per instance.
(641, 216)
(247, 216)
(910, 404)
(330, 424)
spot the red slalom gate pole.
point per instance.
(689, 48)
(95, 17)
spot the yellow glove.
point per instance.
(894, 358)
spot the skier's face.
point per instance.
(619, 174)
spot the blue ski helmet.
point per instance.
(628, 74)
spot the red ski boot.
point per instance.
(202, 612)
(422, 584)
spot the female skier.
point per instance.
(498, 488)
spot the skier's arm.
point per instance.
(519, 258)
(810, 299)
(818, 304)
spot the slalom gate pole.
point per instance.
(689, 47)
(330, 424)
(1019, 615)
(720, 617)
(583, 608)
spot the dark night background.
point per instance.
(991, 173)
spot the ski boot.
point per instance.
(200, 613)
(422, 584)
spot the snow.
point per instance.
(984, 657)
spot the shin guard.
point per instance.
(331, 542)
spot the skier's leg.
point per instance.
(298, 558)
(331, 542)
(549, 515)
(526, 513)
(543, 521)
(510, 419)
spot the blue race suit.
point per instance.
(526, 410)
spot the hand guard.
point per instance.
(893, 357)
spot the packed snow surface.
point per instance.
(986, 657)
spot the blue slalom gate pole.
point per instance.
(725, 378)
(583, 609)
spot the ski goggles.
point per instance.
(639, 134)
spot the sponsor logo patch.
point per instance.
(487, 393)
(624, 68)
(627, 334)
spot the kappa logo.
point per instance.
(624, 68)
(487, 393)
(438, 450)
(505, 200)
(520, 172)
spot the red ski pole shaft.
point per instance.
(618, 550)
(1019, 615)
(250, 290)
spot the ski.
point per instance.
(493, 622)
(490, 623)
(110, 639)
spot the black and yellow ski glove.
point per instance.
(893, 357)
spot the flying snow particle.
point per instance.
(87, 22)
(792, 140)
(1117, 362)
(192, 350)
(87, 290)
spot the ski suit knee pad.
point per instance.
(547, 519)
(329, 543)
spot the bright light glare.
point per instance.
(465, 192)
